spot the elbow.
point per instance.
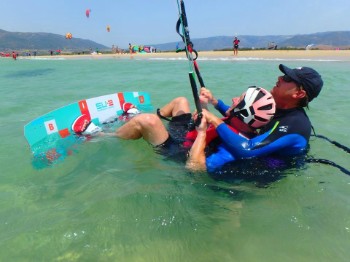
(196, 166)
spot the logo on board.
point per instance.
(51, 126)
(104, 105)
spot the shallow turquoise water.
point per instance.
(116, 200)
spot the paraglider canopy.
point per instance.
(108, 28)
(87, 13)
(69, 36)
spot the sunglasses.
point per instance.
(288, 79)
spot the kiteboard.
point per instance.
(51, 137)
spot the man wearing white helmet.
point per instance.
(287, 134)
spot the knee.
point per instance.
(181, 104)
(147, 121)
(181, 100)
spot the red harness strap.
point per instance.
(235, 124)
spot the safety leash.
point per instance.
(337, 144)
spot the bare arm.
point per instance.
(197, 160)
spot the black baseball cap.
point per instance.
(307, 77)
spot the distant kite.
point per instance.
(69, 36)
(108, 28)
(87, 13)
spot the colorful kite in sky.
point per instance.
(69, 36)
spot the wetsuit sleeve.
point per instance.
(273, 141)
(221, 107)
(218, 159)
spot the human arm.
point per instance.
(196, 157)
(274, 141)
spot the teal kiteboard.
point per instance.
(50, 136)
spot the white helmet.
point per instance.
(257, 107)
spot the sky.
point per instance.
(153, 21)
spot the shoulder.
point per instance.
(294, 121)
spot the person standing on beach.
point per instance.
(236, 42)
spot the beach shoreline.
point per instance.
(338, 55)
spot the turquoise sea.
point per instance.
(115, 200)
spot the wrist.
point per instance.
(216, 121)
(201, 133)
(214, 101)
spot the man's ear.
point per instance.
(300, 94)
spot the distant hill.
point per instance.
(47, 41)
(44, 41)
(330, 39)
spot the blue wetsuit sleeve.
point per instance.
(240, 147)
(221, 107)
(218, 159)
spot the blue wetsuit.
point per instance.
(286, 134)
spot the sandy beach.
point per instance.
(341, 55)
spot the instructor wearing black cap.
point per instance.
(307, 79)
(287, 134)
